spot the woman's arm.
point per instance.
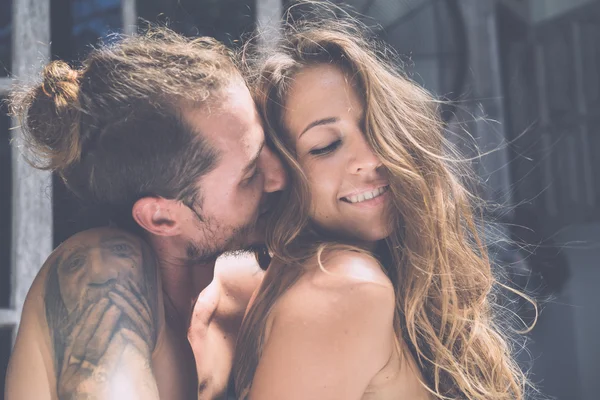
(330, 335)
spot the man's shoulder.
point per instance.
(100, 266)
(93, 265)
(98, 237)
(70, 252)
(96, 249)
(76, 247)
(97, 300)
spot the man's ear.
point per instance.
(157, 215)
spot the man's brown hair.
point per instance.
(113, 130)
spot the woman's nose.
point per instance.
(363, 159)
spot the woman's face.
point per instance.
(349, 191)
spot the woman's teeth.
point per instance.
(366, 195)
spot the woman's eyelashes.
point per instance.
(327, 149)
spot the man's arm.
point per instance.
(98, 296)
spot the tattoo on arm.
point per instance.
(100, 298)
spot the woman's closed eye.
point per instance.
(327, 149)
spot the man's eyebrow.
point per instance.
(322, 121)
(254, 160)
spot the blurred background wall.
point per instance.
(524, 76)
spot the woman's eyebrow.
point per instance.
(322, 121)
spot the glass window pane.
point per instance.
(77, 25)
(225, 20)
(93, 21)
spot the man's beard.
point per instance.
(215, 244)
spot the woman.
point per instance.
(379, 285)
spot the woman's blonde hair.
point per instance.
(434, 256)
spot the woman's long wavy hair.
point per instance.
(434, 257)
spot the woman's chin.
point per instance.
(365, 237)
(374, 233)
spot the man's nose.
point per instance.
(275, 175)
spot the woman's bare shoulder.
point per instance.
(352, 267)
(347, 284)
(342, 315)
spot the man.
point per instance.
(161, 132)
